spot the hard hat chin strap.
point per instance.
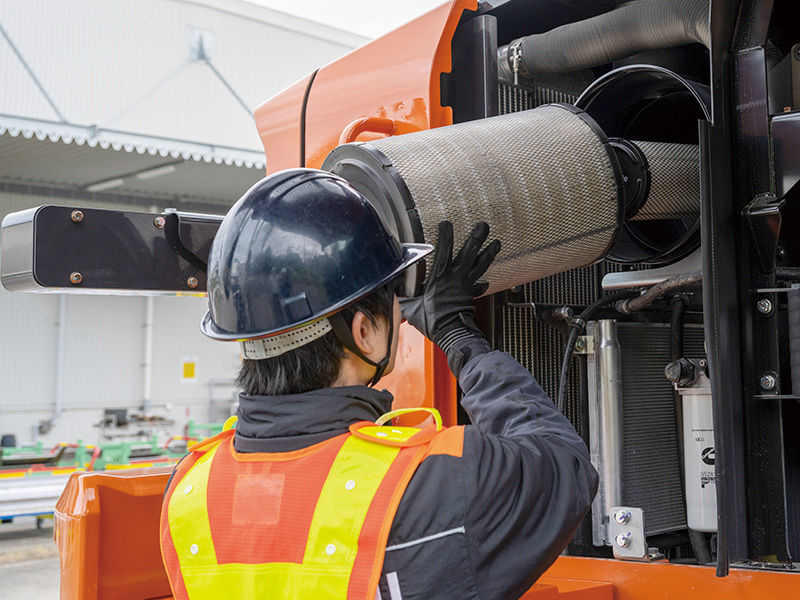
(344, 334)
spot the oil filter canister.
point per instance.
(699, 455)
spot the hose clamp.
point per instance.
(515, 60)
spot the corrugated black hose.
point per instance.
(625, 31)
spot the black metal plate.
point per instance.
(111, 250)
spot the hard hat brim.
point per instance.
(412, 253)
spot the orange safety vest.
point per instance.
(306, 524)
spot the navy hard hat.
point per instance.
(299, 246)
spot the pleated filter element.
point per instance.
(546, 180)
(674, 181)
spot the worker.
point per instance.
(311, 495)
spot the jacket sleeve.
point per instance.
(528, 476)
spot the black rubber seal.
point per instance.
(372, 173)
(615, 101)
(635, 175)
(303, 110)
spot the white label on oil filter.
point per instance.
(699, 460)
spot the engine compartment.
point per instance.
(643, 429)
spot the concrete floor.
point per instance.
(29, 568)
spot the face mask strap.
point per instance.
(344, 334)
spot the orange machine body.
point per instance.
(107, 532)
(390, 86)
(107, 525)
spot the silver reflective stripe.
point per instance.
(394, 586)
(378, 593)
(427, 538)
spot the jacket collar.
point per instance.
(294, 421)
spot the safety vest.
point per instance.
(306, 524)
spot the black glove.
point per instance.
(444, 313)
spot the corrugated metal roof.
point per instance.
(127, 65)
(93, 137)
(67, 156)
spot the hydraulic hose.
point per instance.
(788, 273)
(630, 29)
(575, 329)
(678, 282)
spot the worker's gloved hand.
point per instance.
(444, 313)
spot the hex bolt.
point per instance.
(75, 278)
(77, 216)
(192, 282)
(768, 382)
(565, 313)
(159, 222)
(623, 540)
(580, 344)
(764, 306)
(623, 517)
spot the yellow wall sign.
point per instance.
(189, 369)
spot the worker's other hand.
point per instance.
(444, 313)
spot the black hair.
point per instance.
(315, 365)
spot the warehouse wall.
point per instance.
(125, 64)
(103, 355)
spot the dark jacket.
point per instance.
(482, 526)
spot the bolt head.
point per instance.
(192, 282)
(622, 517)
(77, 216)
(580, 344)
(768, 382)
(159, 222)
(623, 540)
(764, 306)
(75, 278)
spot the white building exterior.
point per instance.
(94, 93)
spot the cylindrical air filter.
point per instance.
(547, 181)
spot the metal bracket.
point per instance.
(763, 217)
(626, 532)
(635, 279)
(584, 344)
(190, 235)
(785, 290)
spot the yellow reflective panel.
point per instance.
(268, 581)
(189, 526)
(349, 489)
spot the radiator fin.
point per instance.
(651, 477)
